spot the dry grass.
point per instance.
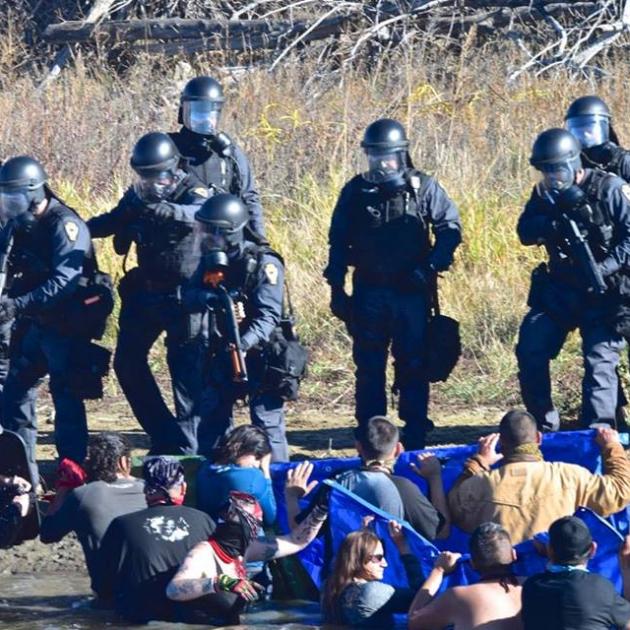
(303, 137)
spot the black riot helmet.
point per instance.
(155, 159)
(200, 107)
(588, 119)
(221, 221)
(556, 154)
(386, 147)
(22, 186)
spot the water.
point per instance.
(61, 602)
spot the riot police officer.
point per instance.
(582, 218)
(589, 120)
(210, 154)
(157, 214)
(381, 226)
(239, 284)
(51, 258)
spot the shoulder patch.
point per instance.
(625, 191)
(271, 272)
(201, 192)
(71, 229)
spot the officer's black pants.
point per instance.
(42, 351)
(382, 316)
(143, 317)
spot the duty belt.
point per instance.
(379, 278)
(159, 286)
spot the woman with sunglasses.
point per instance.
(355, 595)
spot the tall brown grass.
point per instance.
(302, 134)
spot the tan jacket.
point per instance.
(526, 497)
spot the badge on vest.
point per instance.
(271, 271)
(72, 230)
(201, 192)
(625, 190)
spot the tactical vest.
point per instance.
(208, 163)
(389, 232)
(167, 250)
(32, 255)
(243, 275)
(613, 164)
(598, 232)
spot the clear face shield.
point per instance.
(201, 117)
(591, 130)
(13, 203)
(383, 165)
(158, 186)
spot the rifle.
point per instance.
(233, 335)
(582, 254)
(5, 252)
(570, 200)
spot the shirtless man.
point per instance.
(492, 604)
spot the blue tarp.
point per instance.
(577, 447)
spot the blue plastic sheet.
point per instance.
(347, 510)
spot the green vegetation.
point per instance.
(302, 133)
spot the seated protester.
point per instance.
(213, 577)
(378, 445)
(14, 505)
(354, 594)
(241, 462)
(566, 595)
(141, 551)
(525, 494)
(495, 602)
(89, 509)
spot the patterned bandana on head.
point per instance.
(242, 520)
(162, 474)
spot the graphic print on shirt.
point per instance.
(169, 529)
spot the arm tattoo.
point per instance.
(307, 530)
(270, 547)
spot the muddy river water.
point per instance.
(61, 602)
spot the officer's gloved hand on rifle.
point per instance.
(161, 211)
(340, 303)
(423, 277)
(7, 310)
(572, 201)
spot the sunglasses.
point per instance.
(377, 557)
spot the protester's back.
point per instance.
(567, 596)
(141, 552)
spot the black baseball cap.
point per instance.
(570, 540)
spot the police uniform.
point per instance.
(385, 237)
(224, 169)
(47, 265)
(256, 279)
(608, 157)
(559, 301)
(167, 255)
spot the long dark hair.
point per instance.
(104, 453)
(243, 440)
(353, 555)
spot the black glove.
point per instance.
(7, 310)
(423, 277)
(340, 303)
(162, 211)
